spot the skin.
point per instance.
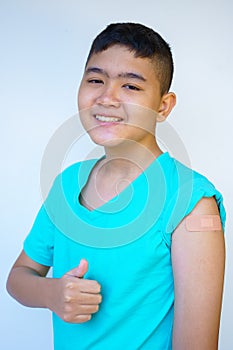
(198, 260)
(110, 88)
(116, 84)
(71, 297)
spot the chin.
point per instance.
(105, 141)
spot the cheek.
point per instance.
(81, 100)
(84, 116)
(84, 99)
(141, 116)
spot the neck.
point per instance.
(130, 155)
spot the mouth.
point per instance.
(108, 119)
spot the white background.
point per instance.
(44, 45)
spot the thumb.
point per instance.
(80, 270)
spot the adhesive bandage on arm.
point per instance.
(200, 223)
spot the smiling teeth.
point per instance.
(107, 119)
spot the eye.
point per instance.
(132, 87)
(95, 81)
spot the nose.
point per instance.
(109, 96)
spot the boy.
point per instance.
(152, 274)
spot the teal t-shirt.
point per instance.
(127, 243)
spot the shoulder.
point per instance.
(185, 188)
(180, 174)
(68, 183)
(185, 185)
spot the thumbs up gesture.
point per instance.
(75, 299)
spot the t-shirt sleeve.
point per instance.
(52, 218)
(39, 243)
(184, 201)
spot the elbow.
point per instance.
(9, 284)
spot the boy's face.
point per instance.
(118, 97)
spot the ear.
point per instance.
(168, 101)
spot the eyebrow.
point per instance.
(129, 75)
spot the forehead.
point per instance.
(117, 59)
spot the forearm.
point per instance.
(29, 288)
(72, 298)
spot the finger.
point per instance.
(83, 285)
(80, 270)
(84, 298)
(88, 309)
(81, 318)
(91, 299)
(89, 286)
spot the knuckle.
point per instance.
(98, 286)
(67, 298)
(69, 285)
(96, 308)
(83, 318)
(67, 309)
(66, 317)
(88, 317)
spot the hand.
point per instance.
(75, 299)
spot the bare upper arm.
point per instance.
(198, 260)
(23, 260)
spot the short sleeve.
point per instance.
(185, 199)
(39, 243)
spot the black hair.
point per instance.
(145, 42)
